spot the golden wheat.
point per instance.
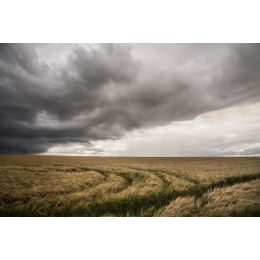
(121, 186)
(239, 199)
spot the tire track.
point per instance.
(137, 205)
(180, 176)
(126, 199)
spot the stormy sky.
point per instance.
(130, 99)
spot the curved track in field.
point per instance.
(101, 191)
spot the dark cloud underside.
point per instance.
(102, 93)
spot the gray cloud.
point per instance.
(102, 93)
(250, 151)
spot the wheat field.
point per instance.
(32, 185)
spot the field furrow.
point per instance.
(113, 186)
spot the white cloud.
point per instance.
(227, 132)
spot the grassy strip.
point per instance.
(243, 212)
(180, 176)
(133, 205)
(228, 181)
(136, 205)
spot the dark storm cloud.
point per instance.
(22, 56)
(29, 87)
(102, 93)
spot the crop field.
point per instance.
(32, 185)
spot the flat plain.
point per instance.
(34, 185)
